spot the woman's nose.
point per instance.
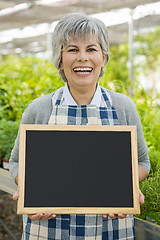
(82, 56)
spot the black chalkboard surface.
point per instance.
(78, 169)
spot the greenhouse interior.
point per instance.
(27, 72)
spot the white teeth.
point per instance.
(83, 72)
(83, 69)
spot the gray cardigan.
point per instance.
(39, 111)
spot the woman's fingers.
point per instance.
(35, 217)
(47, 216)
(52, 216)
(15, 196)
(122, 215)
(141, 197)
(114, 216)
(41, 216)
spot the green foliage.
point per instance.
(117, 66)
(154, 157)
(21, 81)
(8, 133)
(116, 71)
(147, 48)
(149, 113)
(148, 45)
(151, 190)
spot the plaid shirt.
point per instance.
(80, 227)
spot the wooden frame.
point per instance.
(22, 179)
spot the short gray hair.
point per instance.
(75, 26)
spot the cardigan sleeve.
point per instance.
(127, 115)
(133, 119)
(27, 118)
(38, 112)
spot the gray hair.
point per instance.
(74, 26)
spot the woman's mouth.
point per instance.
(83, 70)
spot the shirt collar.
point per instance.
(68, 99)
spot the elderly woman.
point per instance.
(80, 52)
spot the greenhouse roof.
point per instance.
(24, 13)
(19, 14)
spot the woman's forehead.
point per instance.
(85, 40)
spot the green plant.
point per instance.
(154, 157)
(154, 217)
(21, 81)
(116, 71)
(8, 133)
(151, 190)
(149, 114)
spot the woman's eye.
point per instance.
(73, 50)
(91, 49)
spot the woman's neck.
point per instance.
(82, 96)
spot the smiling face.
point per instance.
(82, 62)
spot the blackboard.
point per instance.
(78, 169)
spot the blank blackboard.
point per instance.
(78, 169)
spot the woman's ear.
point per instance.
(61, 65)
(105, 60)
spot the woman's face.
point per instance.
(82, 62)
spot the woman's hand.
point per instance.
(141, 197)
(121, 215)
(38, 216)
(15, 196)
(114, 216)
(41, 216)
